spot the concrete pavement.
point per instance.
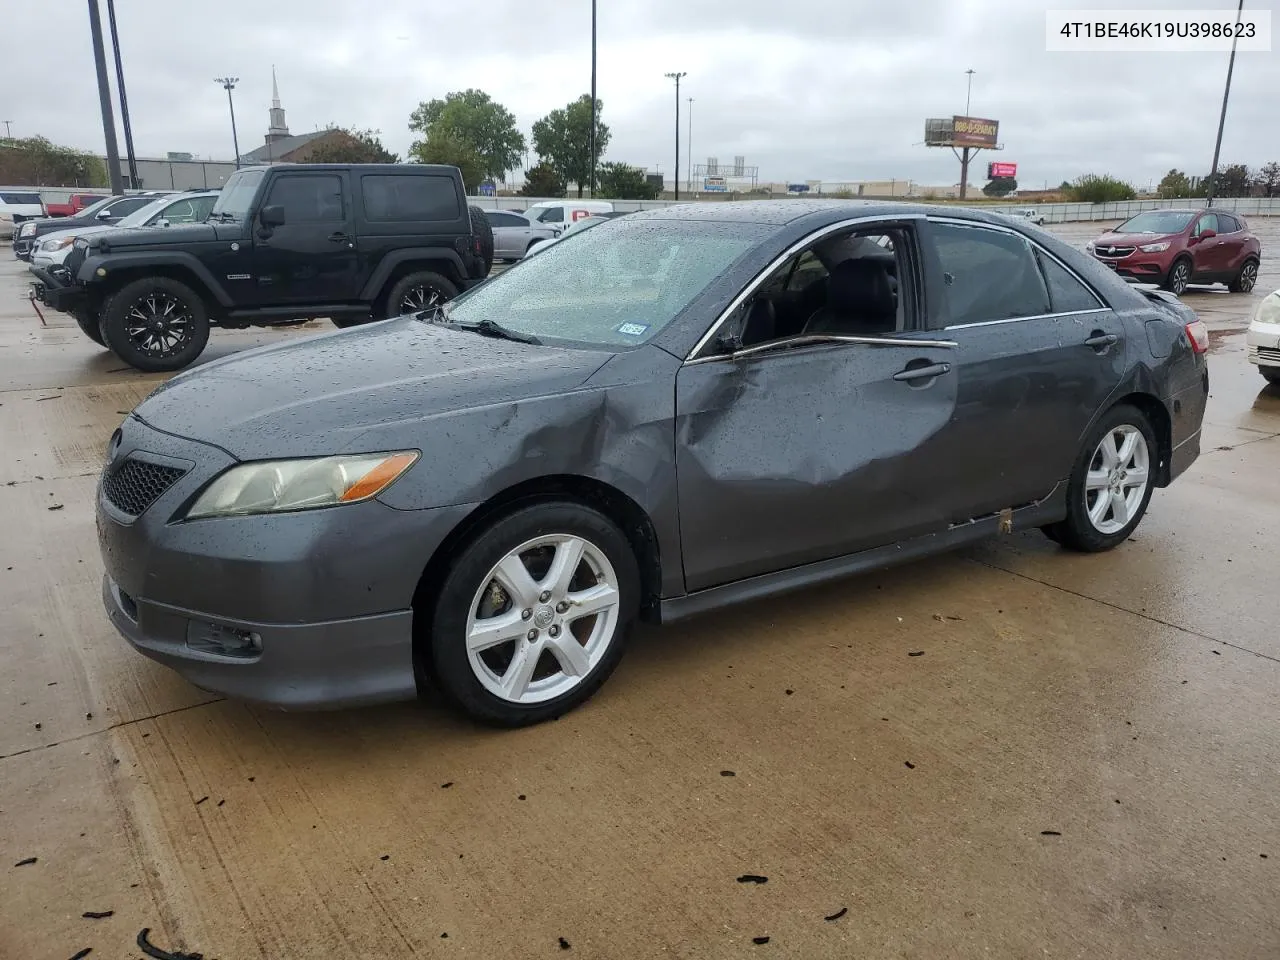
(1007, 752)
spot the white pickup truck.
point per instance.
(1029, 213)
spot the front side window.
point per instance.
(308, 199)
(1207, 222)
(615, 287)
(988, 275)
(552, 215)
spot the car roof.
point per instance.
(782, 212)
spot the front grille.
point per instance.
(1268, 353)
(74, 260)
(136, 484)
(1113, 252)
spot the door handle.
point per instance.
(922, 373)
(337, 237)
(1100, 341)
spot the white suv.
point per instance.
(1263, 338)
(17, 206)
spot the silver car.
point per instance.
(514, 234)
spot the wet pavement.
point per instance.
(1007, 752)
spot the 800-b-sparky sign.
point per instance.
(974, 132)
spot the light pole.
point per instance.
(592, 135)
(968, 90)
(689, 147)
(676, 178)
(964, 155)
(8, 134)
(124, 99)
(229, 84)
(104, 100)
(1222, 119)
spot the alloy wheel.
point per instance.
(419, 298)
(1180, 278)
(1248, 277)
(158, 324)
(1117, 480)
(543, 619)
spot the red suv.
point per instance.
(1175, 248)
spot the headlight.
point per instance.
(1088, 247)
(60, 243)
(1154, 247)
(274, 486)
(27, 229)
(1268, 310)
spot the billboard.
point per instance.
(714, 185)
(961, 132)
(995, 170)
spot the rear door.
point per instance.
(311, 258)
(1230, 243)
(1038, 354)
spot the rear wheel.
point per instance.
(1179, 277)
(1111, 483)
(533, 614)
(423, 290)
(1246, 278)
(155, 324)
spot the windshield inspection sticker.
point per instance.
(632, 329)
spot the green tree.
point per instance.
(1096, 188)
(1064, 186)
(562, 140)
(1000, 187)
(443, 147)
(1269, 178)
(1173, 185)
(1234, 180)
(472, 117)
(348, 145)
(542, 181)
(36, 162)
(623, 182)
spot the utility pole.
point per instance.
(229, 84)
(1222, 118)
(964, 156)
(688, 182)
(104, 98)
(124, 99)
(592, 134)
(8, 134)
(675, 180)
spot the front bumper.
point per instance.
(1263, 341)
(55, 289)
(328, 593)
(1143, 267)
(22, 247)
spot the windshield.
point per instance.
(1158, 221)
(140, 216)
(616, 286)
(93, 208)
(237, 196)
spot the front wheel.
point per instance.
(1179, 277)
(423, 290)
(155, 324)
(534, 614)
(1270, 374)
(1246, 278)
(1110, 484)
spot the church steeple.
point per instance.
(278, 129)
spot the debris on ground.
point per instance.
(837, 915)
(752, 878)
(758, 941)
(915, 653)
(151, 950)
(27, 862)
(81, 954)
(98, 914)
(201, 800)
(909, 764)
(564, 944)
(727, 773)
(1050, 833)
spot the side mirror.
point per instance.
(272, 216)
(103, 215)
(1208, 234)
(162, 223)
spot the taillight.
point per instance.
(1198, 334)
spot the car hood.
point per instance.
(179, 233)
(81, 231)
(1132, 239)
(324, 394)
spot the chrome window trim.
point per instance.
(815, 339)
(1037, 316)
(1001, 228)
(777, 262)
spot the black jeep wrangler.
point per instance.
(284, 244)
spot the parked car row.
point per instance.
(106, 211)
(16, 208)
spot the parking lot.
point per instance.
(1009, 751)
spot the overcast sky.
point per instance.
(806, 89)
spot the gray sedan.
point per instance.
(514, 234)
(693, 407)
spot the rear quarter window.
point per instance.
(401, 197)
(21, 199)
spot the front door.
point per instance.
(1037, 356)
(1209, 254)
(311, 258)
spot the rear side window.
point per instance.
(21, 199)
(505, 219)
(988, 275)
(1066, 293)
(308, 199)
(1227, 223)
(392, 197)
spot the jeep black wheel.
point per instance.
(419, 291)
(89, 325)
(155, 324)
(482, 229)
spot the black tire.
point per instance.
(418, 291)
(483, 229)
(1077, 531)
(349, 320)
(88, 325)
(1270, 374)
(447, 659)
(1244, 281)
(114, 324)
(1179, 276)
(532, 243)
